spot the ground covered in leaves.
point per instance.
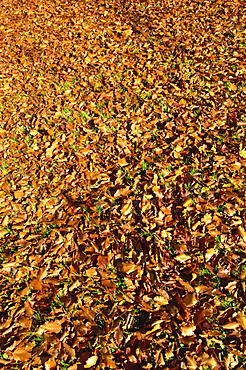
(122, 148)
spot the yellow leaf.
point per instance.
(5, 221)
(187, 202)
(3, 232)
(91, 272)
(207, 218)
(191, 362)
(50, 150)
(91, 361)
(242, 153)
(127, 32)
(232, 87)
(182, 101)
(34, 132)
(178, 148)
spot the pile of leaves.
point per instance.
(122, 188)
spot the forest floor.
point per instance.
(122, 185)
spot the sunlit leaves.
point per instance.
(122, 187)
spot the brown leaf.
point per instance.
(21, 354)
(188, 330)
(50, 327)
(70, 351)
(161, 300)
(127, 208)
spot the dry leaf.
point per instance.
(127, 208)
(51, 327)
(191, 363)
(188, 330)
(70, 351)
(182, 258)
(231, 325)
(190, 299)
(232, 87)
(241, 319)
(21, 354)
(19, 194)
(91, 361)
(129, 267)
(50, 364)
(161, 300)
(187, 202)
(242, 153)
(242, 233)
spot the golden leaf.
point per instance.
(129, 267)
(187, 202)
(241, 319)
(127, 208)
(91, 272)
(209, 253)
(191, 362)
(161, 300)
(128, 32)
(3, 232)
(91, 361)
(242, 153)
(188, 330)
(182, 258)
(242, 233)
(18, 194)
(207, 218)
(21, 354)
(232, 87)
(5, 221)
(51, 327)
(231, 325)
(50, 364)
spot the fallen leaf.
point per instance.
(51, 327)
(50, 364)
(242, 233)
(161, 300)
(241, 319)
(21, 354)
(91, 361)
(231, 325)
(242, 153)
(182, 258)
(188, 330)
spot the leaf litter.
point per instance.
(122, 148)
